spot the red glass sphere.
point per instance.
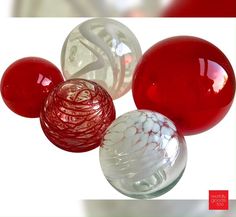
(76, 114)
(26, 83)
(187, 79)
(200, 8)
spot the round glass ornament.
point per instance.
(102, 50)
(76, 114)
(26, 83)
(200, 8)
(188, 80)
(142, 154)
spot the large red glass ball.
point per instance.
(187, 79)
(26, 83)
(200, 8)
(76, 114)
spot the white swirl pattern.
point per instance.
(143, 154)
(102, 50)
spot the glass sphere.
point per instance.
(187, 79)
(199, 8)
(102, 50)
(26, 83)
(76, 114)
(142, 154)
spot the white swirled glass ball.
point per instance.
(102, 50)
(142, 154)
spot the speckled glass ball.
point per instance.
(142, 154)
(102, 50)
(76, 114)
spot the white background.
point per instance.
(6, 7)
(38, 178)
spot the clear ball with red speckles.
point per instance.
(142, 154)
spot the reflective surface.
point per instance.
(187, 79)
(26, 83)
(142, 154)
(102, 50)
(76, 114)
(200, 8)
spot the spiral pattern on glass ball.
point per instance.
(142, 154)
(76, 114)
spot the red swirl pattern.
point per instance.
(76, 114)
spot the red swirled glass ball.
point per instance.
(76, 114)
(26, 83)
(187, 79)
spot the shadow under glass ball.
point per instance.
(142, 154)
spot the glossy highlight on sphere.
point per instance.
(26, 83)
(76, 114)
(187, 79)
(142, 154)
(102, 50)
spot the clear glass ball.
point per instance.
(102, 50)
(142, 154)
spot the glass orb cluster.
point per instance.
(181, 86)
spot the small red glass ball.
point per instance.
(26, 83)
(187, 79)
(76, 114)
